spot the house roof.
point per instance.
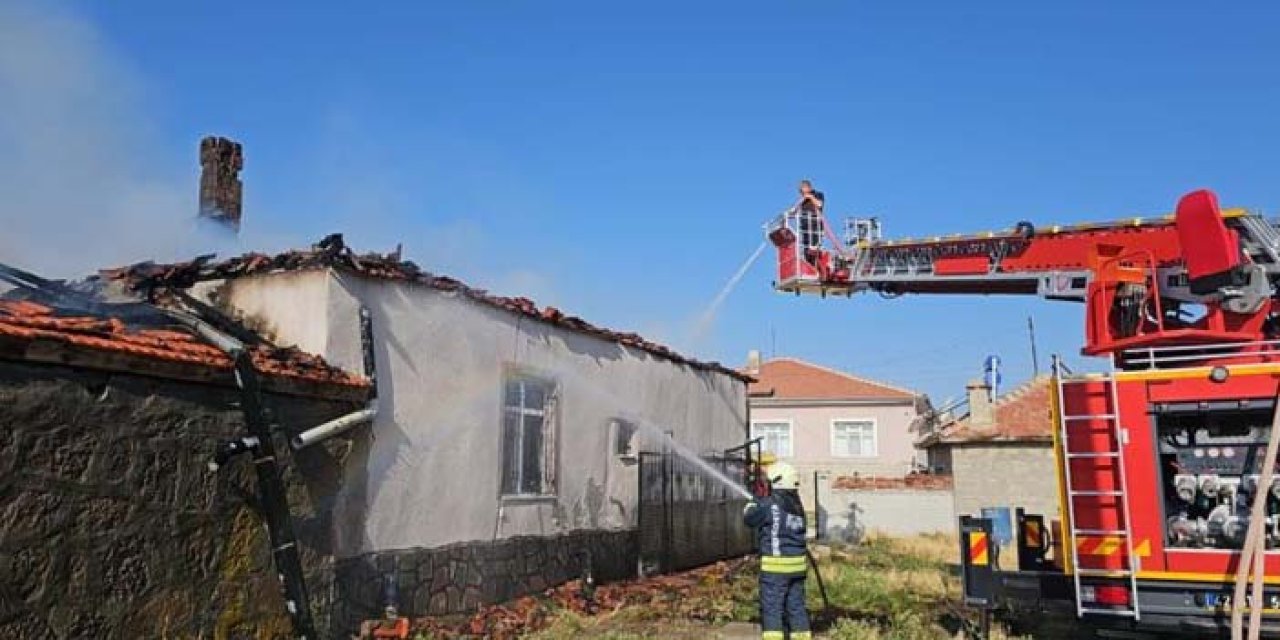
(1021, 415)
(153, 344)
(332, 253)
(793, 379)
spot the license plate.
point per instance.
(1219, 601)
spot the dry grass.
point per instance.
(883, 589)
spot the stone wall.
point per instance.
(111, 525)
(1015, 474)
(460, 577)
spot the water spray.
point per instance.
(708, 315)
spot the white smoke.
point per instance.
(72, 131)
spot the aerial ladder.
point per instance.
(1161, 461)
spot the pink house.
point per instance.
(833, 422)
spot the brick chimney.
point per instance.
(220, 190)
(981, 412)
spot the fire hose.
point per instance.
(822, 587)
(1253, 553)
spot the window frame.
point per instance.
(791, 434)
(553, 404)
(617, 428)
(875, 438)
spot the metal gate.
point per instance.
(686, 517)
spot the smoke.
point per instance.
(86, 184)
(75, 196)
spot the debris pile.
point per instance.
(147, 278)
(915, 481)
(701, 594)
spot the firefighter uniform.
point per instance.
(781, 534)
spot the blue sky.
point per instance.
(618, 160)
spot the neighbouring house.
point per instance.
(836, 427)
(510, 439)
(1001, 453)
(821, 419)
(113, 525)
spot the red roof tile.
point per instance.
(333, 253)
(29, 322)
(791, 379)
(914, 481)
(1024, 414)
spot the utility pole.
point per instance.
(1035, 360)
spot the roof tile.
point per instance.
(792, 379)
(1023, 414)
(30, 321)
(332, 252)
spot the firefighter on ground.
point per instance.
(780, 526)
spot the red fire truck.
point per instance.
(1158, 461)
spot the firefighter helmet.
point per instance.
(782, 476)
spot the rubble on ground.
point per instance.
(914, 481)
(668, 595)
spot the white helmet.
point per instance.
(782, 476)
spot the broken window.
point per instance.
(528, 436)
(853, 438)
(775, 437)
(624, 438)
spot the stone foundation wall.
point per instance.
(460, 577)
(111, 526)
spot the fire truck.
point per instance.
(1159, 460)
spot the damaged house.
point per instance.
(509, 445)
(123, 511)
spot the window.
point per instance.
(624, 438)
(528, 436)
(853, 438)
(776, 437)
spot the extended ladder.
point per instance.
(1119, 437)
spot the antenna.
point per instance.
(1031, 333)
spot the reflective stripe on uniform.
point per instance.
(801, 635)
(773, 635)
(775, 543)
(782, 564)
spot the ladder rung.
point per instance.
(1093, 454)
(1127, 613)
(1104, 573)
(1096, 493)
(1100, 532)
(1096, 416)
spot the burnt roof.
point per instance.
(154, 344)
(333, 253)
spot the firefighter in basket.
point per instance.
(779, 521)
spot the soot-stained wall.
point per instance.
(112, 526)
